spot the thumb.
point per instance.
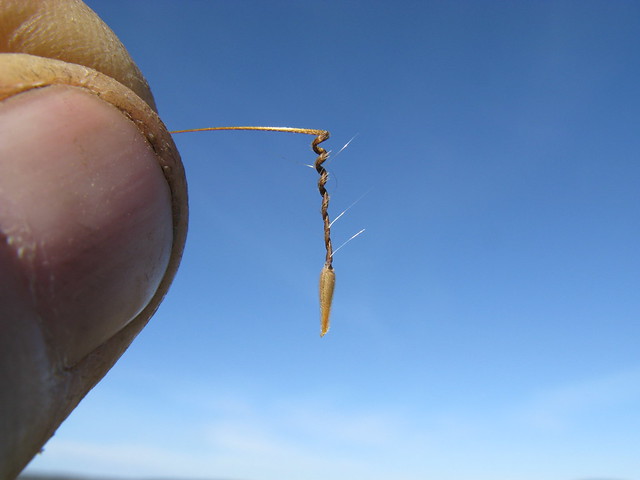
(93, 215)
(86, 212)
(86, 229)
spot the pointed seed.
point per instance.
(327, 283)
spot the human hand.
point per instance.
(92, 217)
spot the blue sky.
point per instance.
(484, 326)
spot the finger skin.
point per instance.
(85, 239)
(68, 30)
(86, 209)
(78, 193)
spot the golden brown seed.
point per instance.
(327, 283)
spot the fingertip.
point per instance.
(88, 217)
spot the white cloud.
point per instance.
(121, 459)
(305, 442)
(257, 442)
(557, 408)
(315, 438)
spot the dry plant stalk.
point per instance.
(327, 275)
